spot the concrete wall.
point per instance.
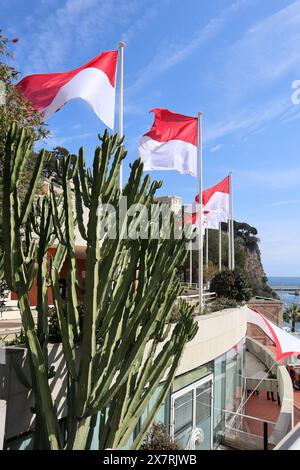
(291, 441)
(218, 332)
(14, 373)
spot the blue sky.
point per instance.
(234, 60)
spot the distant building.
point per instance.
(174, 202)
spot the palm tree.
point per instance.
(292, 314)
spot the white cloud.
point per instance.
(251, 69)
(55, 140)
(285, 178)
(265, 53)
(248, 119)
(216, 147)
(77, 25)
(283, 203)
(142, 21)
(170, 54)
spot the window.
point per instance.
(191, 407)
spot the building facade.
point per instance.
(174, 202)
(208, 387)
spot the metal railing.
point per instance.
(247, 432)
(207, 297)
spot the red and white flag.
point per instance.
(210, 219)
(94, 82)
(171, 144)
(216, 198)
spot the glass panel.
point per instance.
(240, 373)
(203, 414)
(203, 403)
(183, 414)
(193, 376)
(231, 380)
(219, 397)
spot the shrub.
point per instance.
(232, 285)
(54, 330)
(221, 303)
(19, 339)
(158, 438)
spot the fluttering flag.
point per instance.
(216, 198)
(210, 219)
(171, 143)
(189, 219)
(93, 82)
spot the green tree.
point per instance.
(232, 284)
(292, 315)
(15, 108)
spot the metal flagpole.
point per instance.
(229, 243)
(200, 225)
(232, 228)
(121, 93)
(191, 264)
(220, 247)
(229, 231)
(206, 248)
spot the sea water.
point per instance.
(287, 297)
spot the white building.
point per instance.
(174, 202)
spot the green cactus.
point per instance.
(19, 266)
(126, 347)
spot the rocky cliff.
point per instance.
(246, 237)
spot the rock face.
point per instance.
(255, 270)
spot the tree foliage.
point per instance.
(292, 315)
(15, 108)
(245, 232)
(232, 284)
(158, 438)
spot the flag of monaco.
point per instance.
(93, 82)
(171, 143)
(210, 219)
(216, 198)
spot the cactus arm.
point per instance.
(57, 218)
(72, 302)
(43, 390)
(79, 207)
(34, 182)
(138, 346)
(67, 338)
(160, 399)
(83, 178)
